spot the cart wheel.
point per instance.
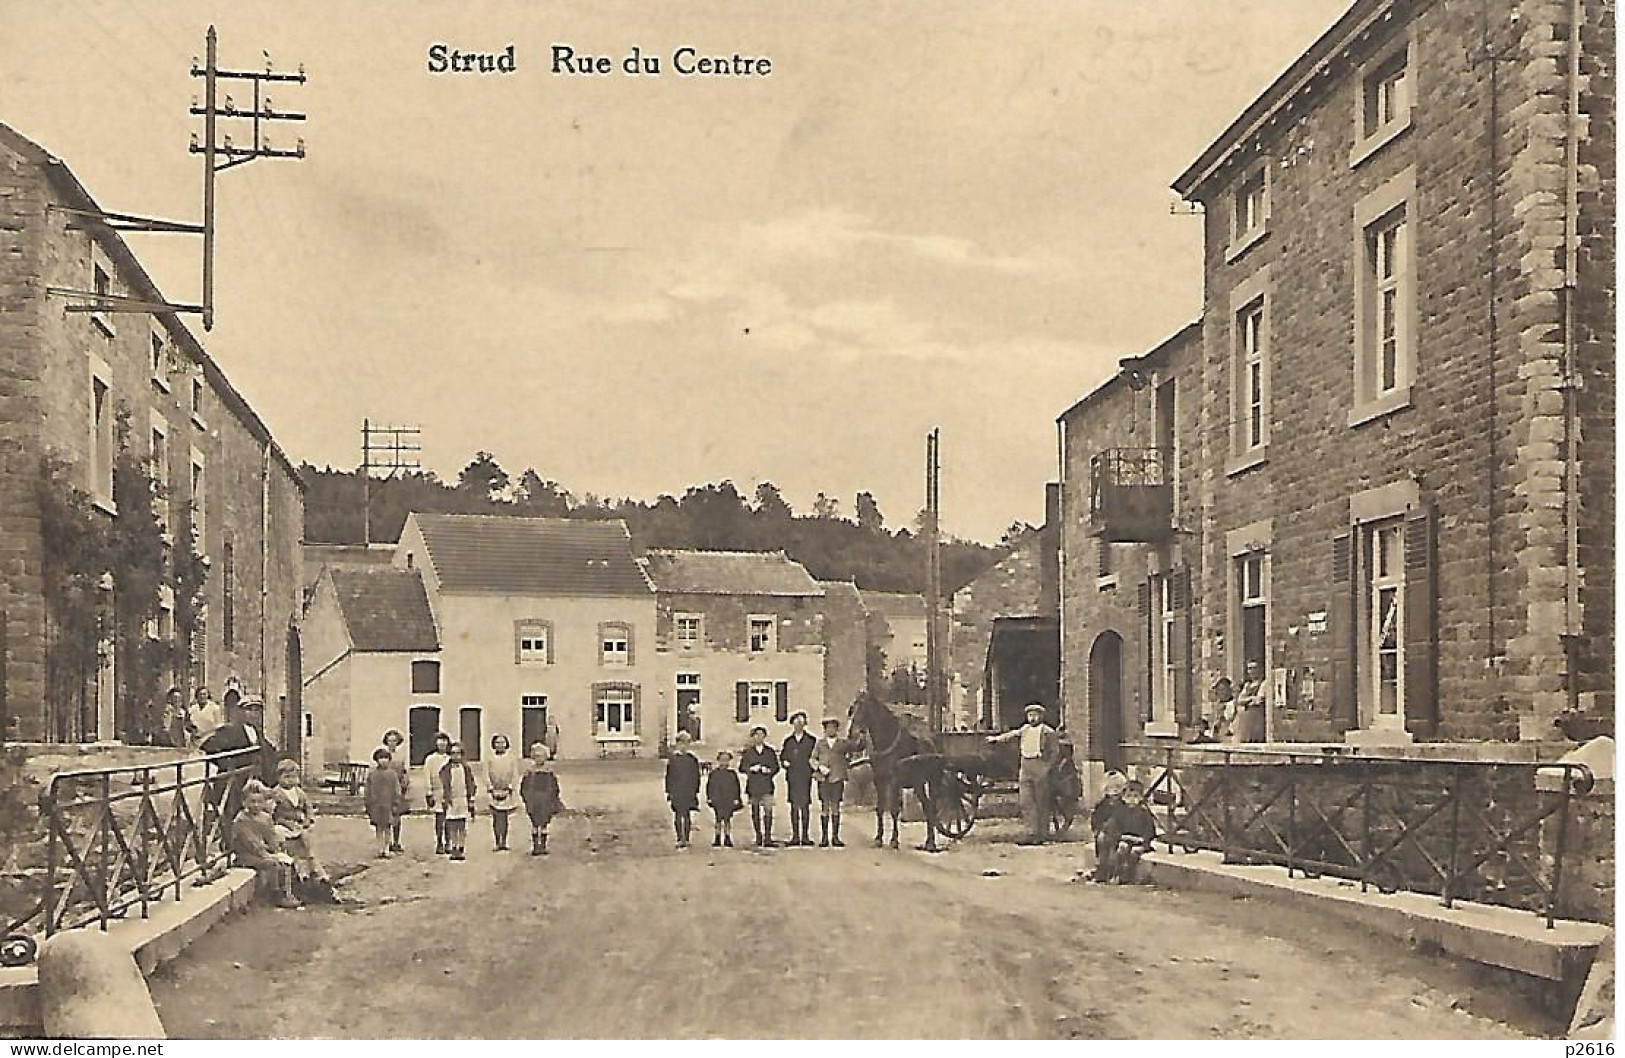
(18, 949)
(957, 812)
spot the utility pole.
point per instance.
(391, 448)
(933, 639)
(224, 154)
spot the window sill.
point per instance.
(105, 505)
(102, 324)
(1162, 729)
(612, 739)
(1242, 463)
(1244, 242)
(160, 384)
(1379, 139)
(1385, 405)
(197, 420)
(1108, 583)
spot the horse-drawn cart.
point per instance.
(974, 768)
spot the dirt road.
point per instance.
(616, 934)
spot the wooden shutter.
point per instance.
(631, 645)
(548, 627)
(1148, 668)
(637, 701)
(518, 635)
(781, 701)
(1184, 699)
(1421, 638)
(1342, 634)
(742, 702)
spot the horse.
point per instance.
(899, 760)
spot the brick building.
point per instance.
(66, 381)
(1392, 478)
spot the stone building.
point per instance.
(1392, 474)
(68, 381)
(846, 646)
(743, 632)
(1023, 584)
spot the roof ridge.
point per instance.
(734, 552)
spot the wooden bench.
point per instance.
(351, 777)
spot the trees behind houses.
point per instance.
(714, 516)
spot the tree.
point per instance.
(483, 479)
(1014, 536)
(539, 496)
(826, 506)
(869, 517)
(771, 505)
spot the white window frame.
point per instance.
(158, 427)
(688, 644)
(1255, 208)
(604, 703)
(1370, 137)
(770, 642)
(1382, 571)
(615, 644)
(1162, 698)
(198, 497)
(1106, 577)
(103, 280)
(1250, 356)
(537, 633)
(103, 436)
(1391, 205)
(200, 392)
(759, 694)
(160, 359)
(1249, 542)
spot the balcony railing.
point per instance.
(1459, 829)
(118, 840)
(1131, 495)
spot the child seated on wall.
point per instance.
(258, 846)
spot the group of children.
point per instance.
(452, 793)
(271, 835)
(802, 759)
(1124, 828)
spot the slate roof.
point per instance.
(385, 610)
(729, 573)
(495, 554)
(893, 603)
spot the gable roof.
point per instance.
(729, 573)
(500, 554)
(385, 610)
(893, 603)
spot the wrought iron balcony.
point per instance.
(1131, 496)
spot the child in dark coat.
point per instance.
(683, 787)
(384, 798)
(722, 794)
(539, 790)
(760, 764)
(1132, 829)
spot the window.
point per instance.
(1387, 90)
(1162, 703)
(1249, 211)
(101, 281)
(1252, 601)
(160, 471)
(533, 642)
(532, 721)
(422, 725)
(228, 592)
(760, 629)
(761, 697)
(166, 614)
(425, 677)
(1385, 350)
(197, 401)
(1105, 563)
(615, 644)
(615, 712)
(468, 731)
(160, 373)
(1250, 372)
(102, 440)
(199, 500)
(688, 631)
(1382, 552)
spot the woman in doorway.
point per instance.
(1250, 704)
(502, 774)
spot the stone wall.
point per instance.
(1011, 588)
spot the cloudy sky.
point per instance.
(942, 213)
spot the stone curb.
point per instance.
(170, 928)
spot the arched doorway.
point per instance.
(1106, 700)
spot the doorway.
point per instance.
(688, 704)
(532, 721)
(1106, 700)
(422, 725)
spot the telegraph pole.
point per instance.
(391, 448)
(222, 154)
(933, 642)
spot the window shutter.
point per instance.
(742, 702)
(1184, 700)
(1342, 633)
(1103, 559)
(1148, 669)
(518, 634)
(631, 647)
(1421, 639)
(637, 709)
(781, 701)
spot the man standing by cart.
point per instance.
(1040, 750)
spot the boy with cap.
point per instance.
(722, 794)
(759, 764)
(1040, 750)
(797, 759)
(832, 763)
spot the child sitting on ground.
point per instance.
(1132, 829)
(292, 814)
(722, 794)
(258, 846)
(385, 799)
(539, 790)
(1100, 819)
